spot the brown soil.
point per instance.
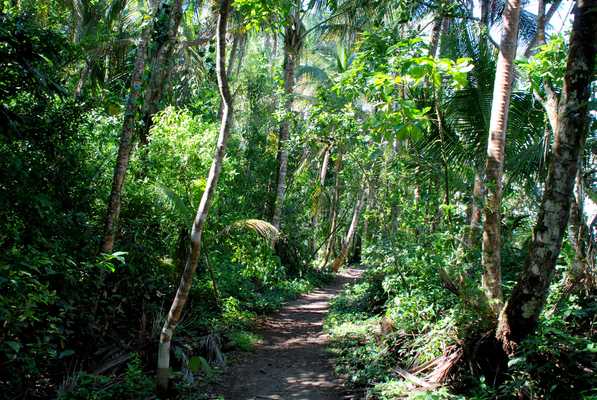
(291, 362)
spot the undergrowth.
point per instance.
(401, 317)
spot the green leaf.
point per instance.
(195, 364)
(15, 346)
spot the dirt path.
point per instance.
(291, 362)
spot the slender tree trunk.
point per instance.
(292, 46)
(82, 78)
(542, 19)
(484, 14)
(550, 104)
(440, 127)
(520, 315)
(417, 191)
(474, 232)
(212, 179)
(334, 212)
(235, 40)
(365, 230)
(324, 166)
(164, 40)
(494, 168)
(125, 146)
(550, 101)
(437, 94)
(577, 233)
(370, 205)
(347, 241)
(435, 35)
(322, 175)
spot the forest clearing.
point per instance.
(283, 199)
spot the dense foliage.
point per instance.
(386, 107)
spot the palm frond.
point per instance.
(263, 228)
(313, 73)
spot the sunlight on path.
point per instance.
(291, 362)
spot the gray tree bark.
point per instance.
(322, 175)
(334, 212)
(125, 145)
(164, 41)
(347, 241)
(520, 315)
(212, 180)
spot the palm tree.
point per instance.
(293, 43)
(494, 167)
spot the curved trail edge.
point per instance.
(291, 361)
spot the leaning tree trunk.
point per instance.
(494, 167)
(347, 241)
(550, 100)
(212, 179)
(317, 200)
(126, 144)
(520, 315)
(292, 47)
(542, 19)
(164, 40)
(334, 211)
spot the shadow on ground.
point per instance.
(291, 362)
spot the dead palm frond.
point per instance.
(263, 228)
(438, 370)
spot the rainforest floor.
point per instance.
(291, 361)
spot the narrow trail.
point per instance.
(291, 362)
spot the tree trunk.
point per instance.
(520, 315)
(235, 39)
(164, 39)
(369, 205)
(334, 212)
(212, 179)
(82, 78)
(542, 20)
(347, 241)
(484, 14)
(292, 46)
(577, 233)
(473, 236)
(550, 101)
(494, 167)
(322, 175)
(435, 34)
(126, 144)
